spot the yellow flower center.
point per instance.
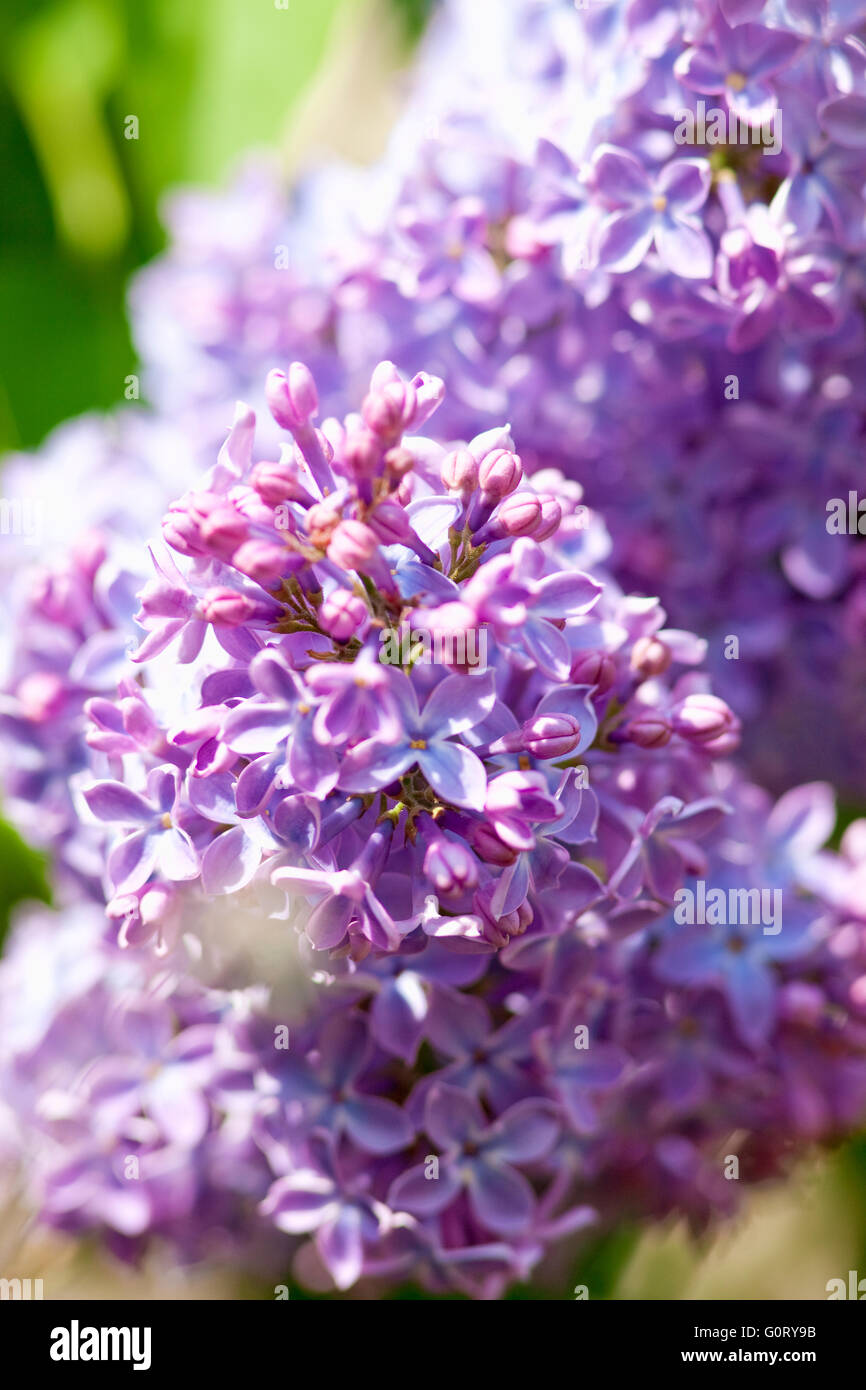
(660, 202)
(736, 81)
(418, 743)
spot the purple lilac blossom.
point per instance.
(447, 931)
(537, 236)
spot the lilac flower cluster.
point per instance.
(678, 325)
(391, 962)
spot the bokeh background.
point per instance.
(313, 78)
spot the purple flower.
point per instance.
(426, 737)
(648, 212)
(738, 959)
(282, 715)
(322, 1095)
(479, 1158)
(739, 63)
(158, 842)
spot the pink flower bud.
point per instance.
(322, 522)
(551, 735)
(362, 452)
(450, 867)
(292, 400)
(278, 482)
(228, 608)
(702, 718)
(499, 473)
(499, 928)
(459, 472)
(519, 514)
(223, 530)
(648, 730)
(594, 668)
(264, 562)
(387, 411)
(489, 847)
(342, 614)
(392, 525)
(650, 656)
(551, 517)
(352, 545)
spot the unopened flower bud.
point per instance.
(223, 530)
(596, 668)
(650, 656)
(292, 399)
(489, 847)
(322, 521)
(648, 730)
(362, 453)
(499, 473)
(459, 472)
(342, 614)
(387, 411)
(264, 562)
(551, 735)
(551, 517)
(702, 718)
(278, 482)
(352, 545)
(450, 866)
(229, 608)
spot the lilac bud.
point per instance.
(341, 615)
(551, 735)
(489, 847)
(225, 606)
(322, 521)
(650, 656)
(292, 400)
(459, 472)
(499, 928)
(278, 482)
(520, 514)
(499, 473)
(650, 729)
(702, 718)
(223, 530)
(264, 562)
(229, 608)
(387, 411)
(429, 395)
(517, 515)
(352, 545)
(450, 866)
(594, 668)
(362, 453)
(551, 517)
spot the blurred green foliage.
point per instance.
(204, 83)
